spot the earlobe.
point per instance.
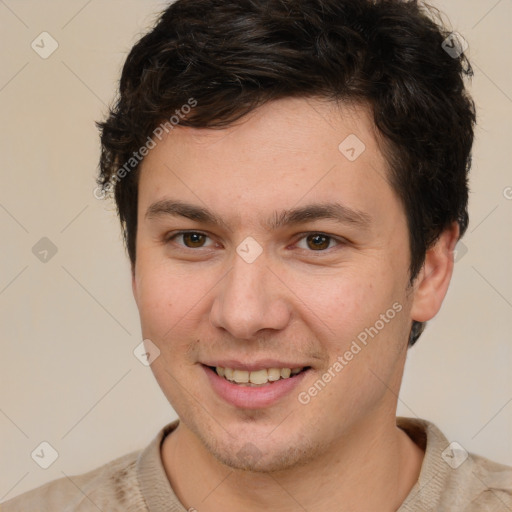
(432, 282)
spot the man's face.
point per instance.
(258, 291)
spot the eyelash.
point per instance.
(170, 237)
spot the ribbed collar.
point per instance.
(426, 493)
(154, 485)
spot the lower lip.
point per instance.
(249, 397)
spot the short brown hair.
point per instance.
(233, 56)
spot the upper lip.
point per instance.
(254, 366)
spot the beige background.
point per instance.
(67, 372)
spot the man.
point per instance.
(291, 180)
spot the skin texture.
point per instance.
(199, 301)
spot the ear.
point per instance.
(431, 284)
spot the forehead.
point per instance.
(286, 154)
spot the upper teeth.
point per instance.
(256, 377)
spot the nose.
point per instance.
(249, 299)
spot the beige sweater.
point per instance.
(448, 482)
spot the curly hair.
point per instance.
(227, 58)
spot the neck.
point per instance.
(368, 468)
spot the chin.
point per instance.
(260, 454)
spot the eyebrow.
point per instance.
(308, 213)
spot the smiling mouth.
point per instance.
(257, 378)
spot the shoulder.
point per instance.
(488, 483)
(112, 486)
(453, 479)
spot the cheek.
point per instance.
(158, 301)
(169, 299)
(340, 304)
(154, 299)
(357, 306)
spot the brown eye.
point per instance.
(318, 241)
(193, 240)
